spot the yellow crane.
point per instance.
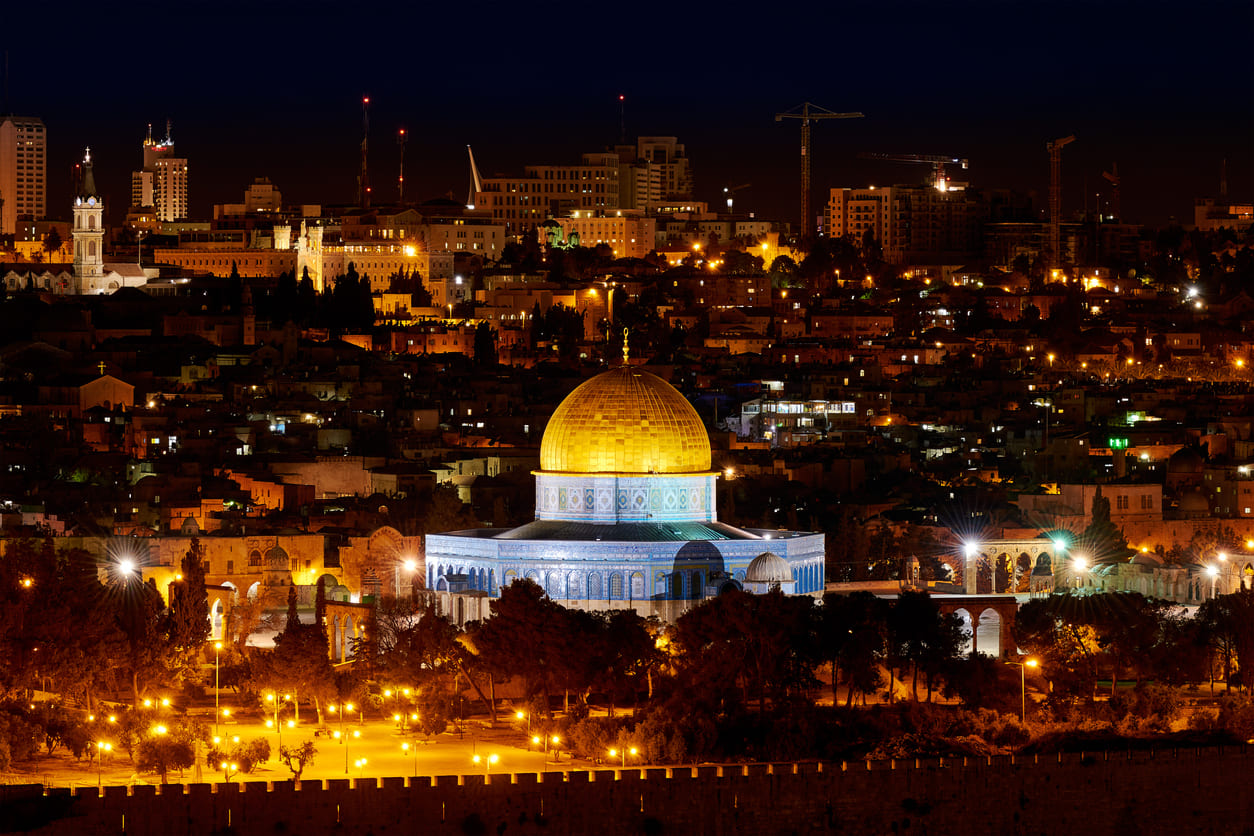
(808, 112)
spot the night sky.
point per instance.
(274, 88)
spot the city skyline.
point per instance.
(1161, 94)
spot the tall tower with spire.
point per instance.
(88, 233)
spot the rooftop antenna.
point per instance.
(401, 138)
(363, 179)
(168, 140)
(476, 184)
(622, 119)
(148, 141)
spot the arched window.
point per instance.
(574, 589)
(91, 249)
(91, 221)
(637, 586)
(616, 587)
(254, 558)
(594, 586)
(677, 586)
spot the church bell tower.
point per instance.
(88, 234)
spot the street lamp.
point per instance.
(1213, 571)
(101, 748)
(407, 749)
(228, 769)
(273, 698)
(1023, 692)
(217, 648)
(360, 763)
(486, 761)
(614, 753)
(1080, 565)
(343, 738)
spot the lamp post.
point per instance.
(407, 749)
(1023, 690)
(217, 713)
(278, 727)
(486, 760)
(1213, 571)
(101, 748)
(1080, 565)
(614, 753)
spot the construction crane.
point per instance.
(807, 112)
(1055, 196)
(1113, 177)
(363, 179)
(939, 180)
(730, 191)
(401, 138)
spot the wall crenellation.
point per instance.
(1067, 793)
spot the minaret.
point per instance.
(88, 234)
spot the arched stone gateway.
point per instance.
(989, 568)
(994, 613)
(344, 622)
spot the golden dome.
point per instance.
(625, 421)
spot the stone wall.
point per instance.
(1188, 791)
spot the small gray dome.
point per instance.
(768, 568)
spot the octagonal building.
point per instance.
(625, 513)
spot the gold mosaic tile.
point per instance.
(625, 421)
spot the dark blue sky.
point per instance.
(273, 89)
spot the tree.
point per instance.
(189, 603)
(52, 243)
(523, 637)
(922, 637)
(301, 660)
(485, 345)
(852, 635)
(739, 647)
(1101, 536)
(296, 758)
(143, 619)
(162, 752)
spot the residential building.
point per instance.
(23, 161)
(551, 190)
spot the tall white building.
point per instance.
(162, 183)
(23, 154)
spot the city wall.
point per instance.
(1190, 791)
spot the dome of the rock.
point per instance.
(625, 421)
